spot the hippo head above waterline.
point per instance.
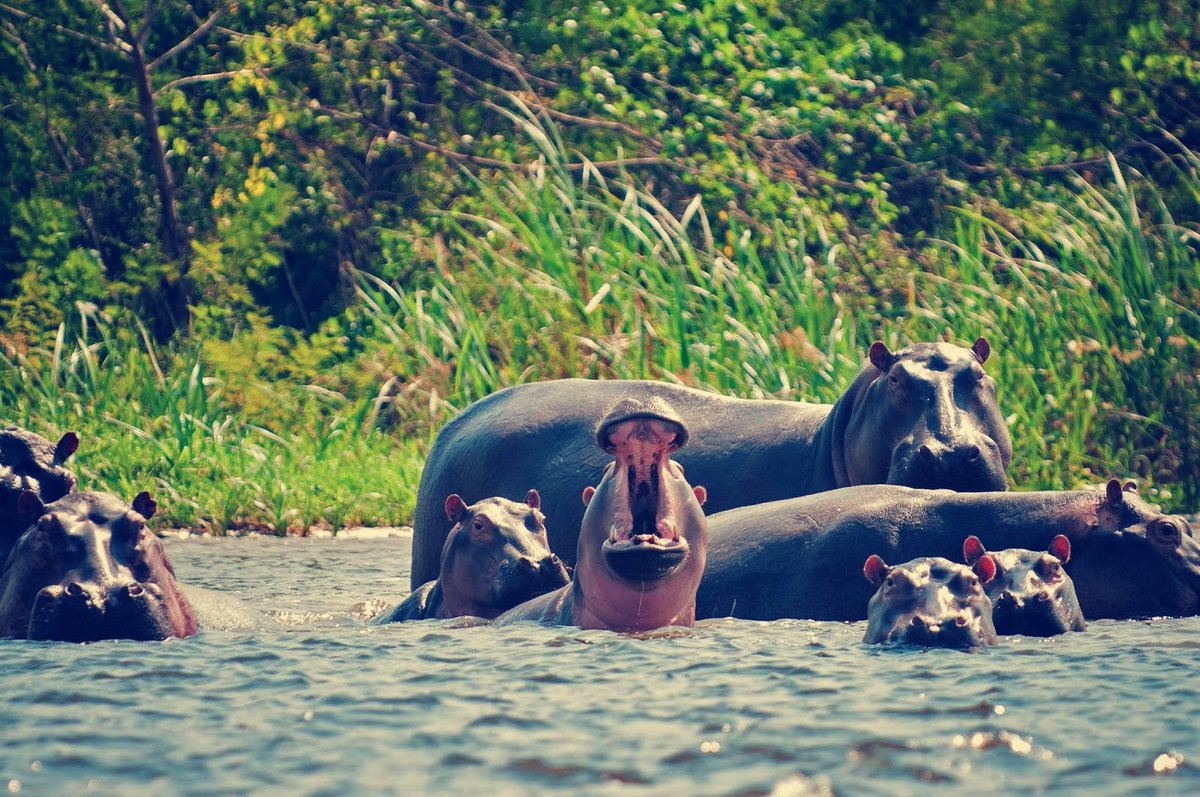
(930, 602)
(1031, 593)
(30, 462)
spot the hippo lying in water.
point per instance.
(1031, 593)
(925, 416)
(800, 557)
(495, 558)
(931, 602)
(30, 462)
(88, 569)
(641, 548)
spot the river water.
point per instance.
(323, 705)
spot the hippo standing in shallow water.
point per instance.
(30, 462)
(925, 416)
(641, 548)
(1031, 593)
(495, 558)
(800, 557)
(931, 602)
(89, 569)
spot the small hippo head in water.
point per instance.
(496, 557)
(30, 462)
(89, 569)
(931, 602)
(1031, 593)
(643, 540)
(1130, 560)
(925, 416)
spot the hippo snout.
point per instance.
(968, 464)
(87, 612)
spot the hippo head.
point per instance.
(30, 462)
(1031, 593)
(643, 540)
(89, 569)
(925, 416)
(496, 556)
(931, 602)
(1131, 560)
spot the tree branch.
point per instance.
(113, 17)
(183, 81)
(189, 40)
(122, 47)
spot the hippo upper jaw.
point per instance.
(85, 612)
(973, 464)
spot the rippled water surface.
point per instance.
(325, 705)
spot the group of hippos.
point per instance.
(807, 505)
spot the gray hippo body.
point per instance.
(930, 602)
(30, 462)
(89, 569)
(800, 557)
(1031, 593)
(925, 416)
(495, 558)
(641, 548)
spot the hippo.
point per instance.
(924, 416)
(1031, 593)
(641, 548)
(89, 569)
(495, 558)
(931, 602)
(30, 462)
(798, 557)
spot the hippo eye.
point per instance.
(477, 524)
(533, 521)
(893, 380)
(1049, 569)
(1166, 531)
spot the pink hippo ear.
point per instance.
(29, 503)
(875, 569)
(456, 508)
(701, 495)
(1114, 492)
(533, 500)
(973, 549)
(1060, 547)
(985, 568)
(981, 349)
(144, 505)
(880, 357)
(588, 492)
(67, 445)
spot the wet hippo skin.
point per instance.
(30, 462)
(801, 557)
(1031, 593)
(925, 416)
(930, 602)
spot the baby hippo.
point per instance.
(89, 569)
(494, 558)
(931, 602)
(30, 462)
(1031, 593)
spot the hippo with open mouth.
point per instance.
(495, 558)
(923, 416)
(930, 602)
(89, 569)
(1031, 593)
(30, 462)
(641, 548)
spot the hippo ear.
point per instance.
(533, 500)
(981, 349)
(588, 492)
(985, 568)
(1114, 493)
(701, 494)
(1130, 487)
(875, 569)
(456, 508)
(66, 446)
(880, 357)
(144, 505)
(29, 503)
(1060, 547)
(973, 549)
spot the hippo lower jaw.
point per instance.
(956, 632)
(85, 613)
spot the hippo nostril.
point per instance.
(74, 589)
(927, 453)
(917, 622)
(1043, 595)
(133, 590)
(971, 452)
(961, 620)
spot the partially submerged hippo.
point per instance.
(641, 548)
(800, 557)
(1031, 593)
(925, 416)
(931, 602)
(88, 569)
(495, 558)
(30, 462)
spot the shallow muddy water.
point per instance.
(325, 705)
